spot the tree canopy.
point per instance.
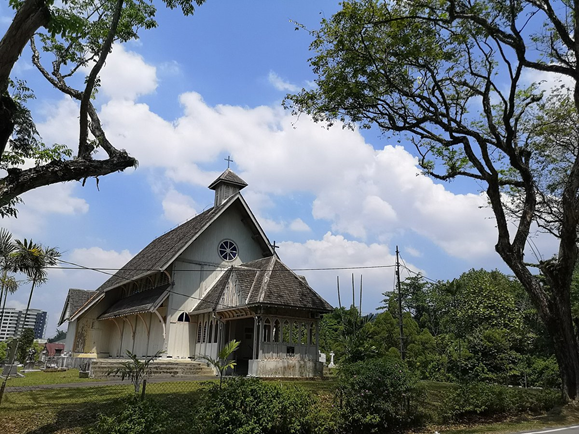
(451, 78)
(74, 37)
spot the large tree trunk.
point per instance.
(559, 324)
(32, 15)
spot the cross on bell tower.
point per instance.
(229, 160)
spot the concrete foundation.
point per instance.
(293, 368)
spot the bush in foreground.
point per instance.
(133, 417)
(377, 395)
(480, 399)
(252, 406)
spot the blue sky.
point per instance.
(197, 89)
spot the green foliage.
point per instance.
(470, 399)
(134, 417)
(25, 343)
(59, 336)
(3, 351)
(252, 406)
(377, 395)
(221, 363)
(134, 369)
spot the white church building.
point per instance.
(210, 280)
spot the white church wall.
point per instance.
(70, 333)
(197, 269)
(156, 339)
(114, 341)
(127, 339)
(141, 335)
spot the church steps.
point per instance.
(159, 368)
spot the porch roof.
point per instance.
(145, 301)
(265, 282)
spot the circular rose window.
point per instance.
(227, 250)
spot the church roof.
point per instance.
(145, 301)
(266, 282)
(162, 251)
(75, 299)
(228, 177)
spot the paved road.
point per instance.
(564, 430)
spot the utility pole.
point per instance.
(339, 300)
(402, 350)
(353, 293)
(360, 296)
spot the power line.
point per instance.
(216, 267)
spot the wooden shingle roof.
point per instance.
(228, 177)
(75, 299)
(162, 250)
(266, 282)
(145, 301)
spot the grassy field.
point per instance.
(40, 378)
(71, 410)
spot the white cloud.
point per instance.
(15, 304)
(170, 69)
(413, 252)
(39, 204)
(269, 225)
(96, 257)
(361, 191)
(335, 251)
(178, 207)
(126, 75)
(280, 84)
(298, 225)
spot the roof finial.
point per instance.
(229, 160)
(274, 246)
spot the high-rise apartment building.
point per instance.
(13, 322)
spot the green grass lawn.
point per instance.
(71, 410)
(40, 378)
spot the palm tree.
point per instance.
(32, 259)
(7, 283)
(221, 364)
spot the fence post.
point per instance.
(143, 391)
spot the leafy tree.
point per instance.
(8, 284)
(33, 260)
(76, 34)
(25, 342)
(3, 351)
(448, 76)
(135, 370)
(221, 363)
(59, 336)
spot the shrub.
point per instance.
(468, 400)
(251, 406)
(134, 417)
(377, 395)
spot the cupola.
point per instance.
(227, 185)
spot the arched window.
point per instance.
(313, 334)
(210, 332)
(295, 332)
(205, 331)
(276, 331)
(198, 332)
(267, 330)
(184, 317)
(216, 331)
(303, 334)
(286, 331)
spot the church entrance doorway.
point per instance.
(242, 330)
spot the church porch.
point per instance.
(273, 342)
